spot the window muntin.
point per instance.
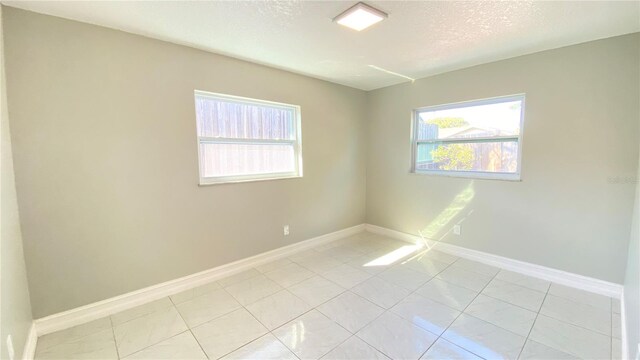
(480, 138)
(242, 139)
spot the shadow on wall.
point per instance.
(434, 231)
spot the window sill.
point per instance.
(222, 181)
(471, 175)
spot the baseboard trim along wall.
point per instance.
(77, 316)
(97, 310)
(542, 272)
(29, 351)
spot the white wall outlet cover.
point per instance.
(286, 230)
(10, 350)
(456, 229)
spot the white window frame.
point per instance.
(461, 173)
(297, 142)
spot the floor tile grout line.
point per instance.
(460, 311)
(481, 291)
(581, 303)
(389, 310)
(412, 324)
(512, 283)
(281, 325)
(283, 288)
(189, 329)
(478, 294)
(268, 330)
(510, 303)
(533, 324)
(321, 313)
(61, 343)
(280, 341)
(516, 284)
(519, 284)
(335, 322)
(567, 322)
(239, 281)
(112, 326)
(115, 342)
(463, 312)
(143, 315)
(538, 315)
(156, 343)
(242, 307)
(258, 299)
(368, 323)
(354, 334)
(576, 325)
(379, 350)
(293, 284)
(347, 339)
(384, 310)
(80, 337)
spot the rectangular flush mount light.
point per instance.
(360, 16)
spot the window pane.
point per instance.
(497, 119)
(245, 159)
(228, 119)
(482, 156)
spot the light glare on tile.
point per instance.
(394, 256)
(360, 17)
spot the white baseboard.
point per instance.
(97, 310)
(29, 351)
(542, 272)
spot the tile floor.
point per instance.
(363, 297)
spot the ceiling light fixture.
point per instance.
(360, 16)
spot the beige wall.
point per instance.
(15, 306)
(581, 130)
(104, 137)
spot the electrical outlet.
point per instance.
(285, 230)
(12, 353)
(456, 229)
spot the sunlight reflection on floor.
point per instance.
(395, 255)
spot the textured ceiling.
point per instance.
(418, 39)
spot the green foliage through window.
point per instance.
(448, 122)
(453, 157)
